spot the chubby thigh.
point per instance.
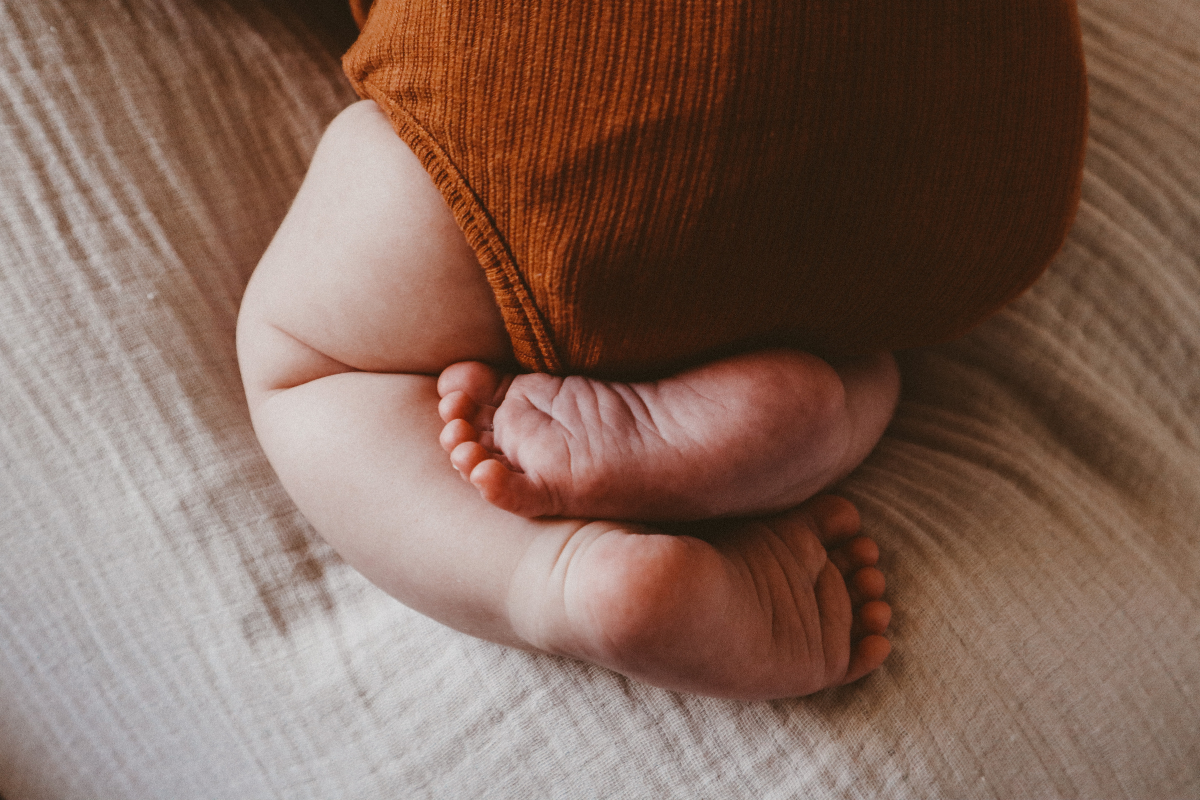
(368, 271)
(366, 293)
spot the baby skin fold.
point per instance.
(673, 530)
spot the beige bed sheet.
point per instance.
(171, 628)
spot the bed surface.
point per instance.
(170, 626)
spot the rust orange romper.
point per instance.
(648, 183)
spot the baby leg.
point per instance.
(749, 434)
(365, 294)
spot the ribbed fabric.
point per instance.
(647, 182)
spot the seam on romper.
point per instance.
(529, 332)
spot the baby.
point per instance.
(369, 298)
(671, 528)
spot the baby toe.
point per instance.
(834, 518)
(456, 432)
(467, 456)
(457, 405)
(866, 584)
(872, 618)
(863, 551)
(474, 378)
(868, 655)
(855, 554)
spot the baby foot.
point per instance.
(750, 609)
(754, 433)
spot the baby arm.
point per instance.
(367, 293)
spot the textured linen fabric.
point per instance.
(647, 183)
(170, 627)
